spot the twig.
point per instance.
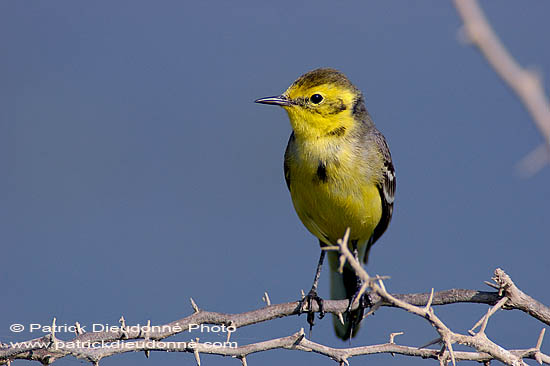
(526, 84)
(48, 349)
(479, 342)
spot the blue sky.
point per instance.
(138, 172)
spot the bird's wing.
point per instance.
(286, 162)
(386, 188)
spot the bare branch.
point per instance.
(526, 84)
(483, 321)
(127, 339)
(479, 342)
(520, 300)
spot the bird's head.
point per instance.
(322, 102)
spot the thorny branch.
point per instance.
(525, 83)
(447, 338)
(131, 339)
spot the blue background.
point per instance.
(137, 172)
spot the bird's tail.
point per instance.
(343, 286)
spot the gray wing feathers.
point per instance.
(386, 188)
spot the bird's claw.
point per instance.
(308, 302)
(364, 302)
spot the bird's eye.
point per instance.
(316, 98)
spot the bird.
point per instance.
(339, 171)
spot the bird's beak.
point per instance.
(281, 100)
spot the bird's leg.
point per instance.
(312, 296)
(364, 301)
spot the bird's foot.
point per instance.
(364, 302)
(308, 302)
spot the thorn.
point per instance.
(196, 353)
(194, 305)
(472, 330)
(266, 299)
(229, 332)
(148, 331)
(541, 337)
(451, 352)
(53, 328)
(146, 353)
(430, 300)
(393, 335)
(538, 356)
(303, 294)
(344, 361)
(243, 361)
(52, 335)
(78, 331)
(490, 284)
(433, 341)
(122, 322)
(341, 318)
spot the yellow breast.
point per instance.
(333, 195)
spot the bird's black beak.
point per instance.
(281, 100)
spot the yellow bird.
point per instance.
(339, 171)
